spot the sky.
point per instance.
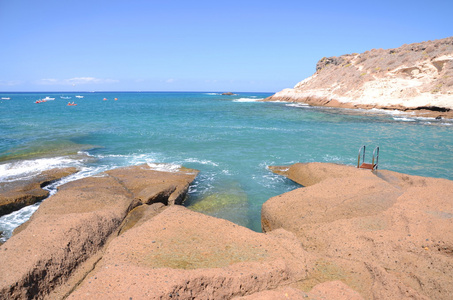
(173, 45)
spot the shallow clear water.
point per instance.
(230, 139)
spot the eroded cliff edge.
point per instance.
(415, 77)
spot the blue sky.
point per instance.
(167, 45)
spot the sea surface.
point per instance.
(230, 139)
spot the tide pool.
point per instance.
(230, 139)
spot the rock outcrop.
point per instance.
(386, 235)
(19, 193)
(416, 77)
(348, 234)
(72, 227)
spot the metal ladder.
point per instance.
(364, 165)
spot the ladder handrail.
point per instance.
(363, 158)
(375, 152)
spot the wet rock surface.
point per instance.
(17, 194)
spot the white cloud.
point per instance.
(170, 80)
(10, 82)
(75, 81)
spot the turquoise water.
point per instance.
(230, 139)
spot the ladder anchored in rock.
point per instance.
(374, 162)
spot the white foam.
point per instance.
(298, 105)
(128, 159)
(28, 168)
(164, 167)
(202, 161)
(403, 119)
(9, 222)
(212, 94)
(247, 100)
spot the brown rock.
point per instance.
(20, 193)
(187, 255)
(72, 226)
(384, 234)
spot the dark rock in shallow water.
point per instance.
(20, 193)
(228, 93)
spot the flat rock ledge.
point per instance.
(318, 99)
(386, 235)
(17, 194)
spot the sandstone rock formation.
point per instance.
(416, 77)
(348, 234)
(187, 255)
(72, 227)
(19, 193)
(97, 239)
(386, 235)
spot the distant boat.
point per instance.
(65, 97)
(105, 99)
(6, 98)
(80, 97)
(48, 99)
(72, 104)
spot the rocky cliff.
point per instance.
(412, 77)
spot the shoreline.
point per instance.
(292, 96)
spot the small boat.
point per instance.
(40, 101)
(6, 98)
(72, 104)
(105, 99)
(116, 99)
(65, 97)
(48, 99)
(78, 96)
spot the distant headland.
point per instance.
(413, 78)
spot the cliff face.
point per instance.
(415, 76)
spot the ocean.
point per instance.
(230, 139)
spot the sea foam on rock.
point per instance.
(19, 193)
